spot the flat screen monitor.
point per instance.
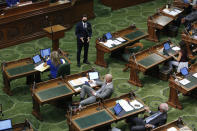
(45, 52)
(36, 59)
(5, 125)
(108, 35)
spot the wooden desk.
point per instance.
(172, 124)
(76, 76)
(50, 91)
(54, 90)
(147, 61)
(22, 68)
(26, 126)
(176, 87)
(130, 34)
(27, 25)
(95, 116)
(157, 22)
(117, 4)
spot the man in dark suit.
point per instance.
(83, 32)
(154, 120)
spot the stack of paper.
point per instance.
(172, 129)
(125, 105)
(185, 128)
(184, 81)
(41, 67)
(136, 104)
(121, 39)
(109, 43)
(79, 81)
(173, 12)
(116, 42)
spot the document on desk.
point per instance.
(41, 67)
(121, 39)
(184, 81)
(172, 129)
(108, 43)
(195, 75)
(125, 105)
(176, 48)
(136, 104)
(116, 42)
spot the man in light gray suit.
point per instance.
(104, 92)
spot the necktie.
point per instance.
(150, 118)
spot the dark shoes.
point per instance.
(87, 62)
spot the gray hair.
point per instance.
(164, 107)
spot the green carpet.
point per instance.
(19, 106)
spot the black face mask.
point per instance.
(84, 21)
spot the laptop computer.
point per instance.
(108, 36)
(117, 109)
(93, 75)
(167, 49)
(45, 53)
(184, 71)
(6, 125)
(37, 60)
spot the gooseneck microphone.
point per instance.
(50, 24)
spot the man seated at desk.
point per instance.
(154, 120)
(104, 92)
(189, 18)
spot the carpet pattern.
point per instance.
(19, 106)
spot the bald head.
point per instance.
(108, 78)
(163, 107)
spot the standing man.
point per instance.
(83, 32)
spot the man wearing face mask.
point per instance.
(104, 92)
(83, 32)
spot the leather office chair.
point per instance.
(64, 69)
(129, 50)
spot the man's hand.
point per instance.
(147, 109)
(81, 38)
(149, 126)
(90, 81)
(88, 39)
(94, 93)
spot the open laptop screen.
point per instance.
(93, 75)
(36, 59)
(45, 52)
(117, 109)
(108, 35)
(5, 125)
(166, 46)
(184, 71)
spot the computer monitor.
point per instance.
(166, 46)
(108, 35)
(36, 59)
(93, 75)
(184, 71)
(45, 52)
(5, 125)
(117, 109)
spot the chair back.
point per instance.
(64, 69)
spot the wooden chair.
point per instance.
(129, 51)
